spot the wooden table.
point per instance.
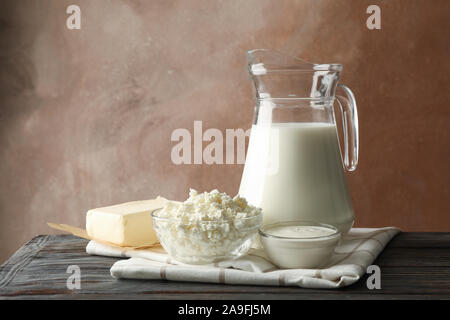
(413, 266)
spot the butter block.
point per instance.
(126, 224)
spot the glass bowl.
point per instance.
(296, 251)
(204, 242)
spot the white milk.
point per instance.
(294, 171)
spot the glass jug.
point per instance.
(294, 168)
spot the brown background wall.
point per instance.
(86, 115)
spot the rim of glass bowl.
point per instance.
(264, 230)
(155, 216)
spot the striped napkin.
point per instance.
(356, 252)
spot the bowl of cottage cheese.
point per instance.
(207, 227)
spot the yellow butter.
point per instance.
(126, 224)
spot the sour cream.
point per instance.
(303, 232)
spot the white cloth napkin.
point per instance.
(350, 260)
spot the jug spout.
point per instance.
(278, 75)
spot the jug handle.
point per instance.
(350, 128)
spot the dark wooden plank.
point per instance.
(21, 259)
(421, 240)
(406, 272)
(228, 296)
(415, 257)
(393, 283)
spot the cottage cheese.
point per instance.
(207, 227)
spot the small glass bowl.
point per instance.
(299, 252)
(204, 242)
